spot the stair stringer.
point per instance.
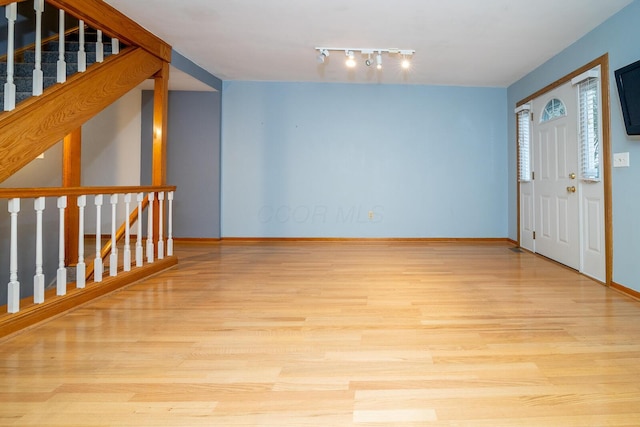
(40, 122)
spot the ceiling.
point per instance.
(457, 42)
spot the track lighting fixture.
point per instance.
(367, 61)
(323, 53)
(406, 63)
(351, 58)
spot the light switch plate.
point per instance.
(621, 160)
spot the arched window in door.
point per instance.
(554, 108)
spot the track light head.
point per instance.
(406, 59)
(379, 61)
(324, 53)
(351, 59)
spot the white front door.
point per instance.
(555, 165)
(564, 206)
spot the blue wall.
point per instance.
(312, 160)
(619, 37)
(193, 159)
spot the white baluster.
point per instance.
(97, 263)
(115, 46)
(61, 283)
(127, 234)
(81, 267)
(82, 54)
(13, 297)
(160, 225)
(11, 12)
(99, 48)
(170, 225)
(38, 279)
(62, 65)
(38, 6)
(139, 256)
(113, 258)
(150, 229)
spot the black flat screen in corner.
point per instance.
(628, 81)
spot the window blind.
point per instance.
(524, 146)
(589, 129)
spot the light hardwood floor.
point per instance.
(336, 334)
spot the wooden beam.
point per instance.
(6, 2)
(159, 160)
(30, 193)
(40, 122)
(160, 115)
(101, 15)
(71, 177)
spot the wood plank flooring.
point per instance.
(335, 334)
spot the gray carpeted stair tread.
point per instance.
(23, 71)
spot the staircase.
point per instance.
(39, 122)
(24, 65)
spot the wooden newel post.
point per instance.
(71, 171)
(160, 116)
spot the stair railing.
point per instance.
(124, 231)
(14, 92)
(16, 199)
(38, 84)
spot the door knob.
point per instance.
(571, 189)
(572, 175)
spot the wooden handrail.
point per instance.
(106, 249)
(6, 2)
(11, 193)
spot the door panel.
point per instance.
(564, 220)
(555, 143)
(594, 257)
(527, 222)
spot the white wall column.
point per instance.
(127, 234)
(13, 298)
(97, 262)
(113, 258)
(115, 46)
(61, 282)
(81, 267)
(170, 225)
(38, 78)
(62, 65)
(38, 279)
(82, 54)
(139, 255)
(150, 254)
(160, 225)
(99, 48)
(11, 13)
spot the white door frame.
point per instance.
(603, 62)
